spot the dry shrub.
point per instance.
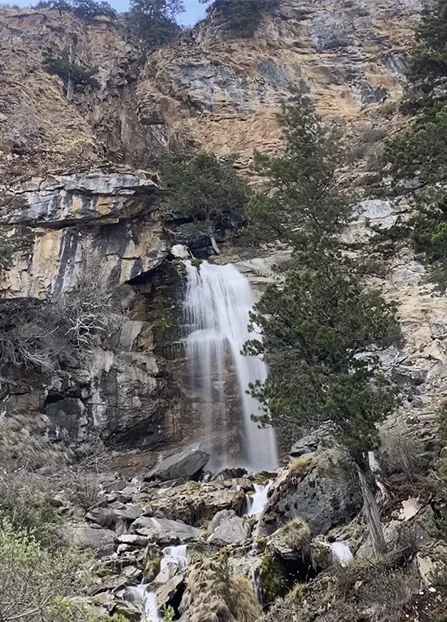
(212, 595)
(85, 490)
(401, 453)
(34, 333)
(370, 590)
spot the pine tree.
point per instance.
(205, 193)
(323, 328)
(153, 21)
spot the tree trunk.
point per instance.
(370, 507)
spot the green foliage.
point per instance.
(302, 203)
(315, 329)
(66, 70)
(204, 193)
(33, 580)
(168, 614)
(428, 66)
(27, 507)
(323, 327)
(241, 17)
(417, 156)
(86, 9)
(153, 21)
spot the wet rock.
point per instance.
(101, 540)
(164, 531)
(187, 464)
(228, 528)
(227, 474)
(170, 590)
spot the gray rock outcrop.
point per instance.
(228, 528)
(186, 464)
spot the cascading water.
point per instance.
(146, 603)
(174, 559)
(341, 553)
(258, 500)
(217, 305)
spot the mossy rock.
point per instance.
(273, 577)
(292, 540)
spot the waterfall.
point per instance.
(174, 559)
(217, 305)
(258, 501)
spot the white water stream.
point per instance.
(174, 559)
(146, 602)
(341, 553)
(257, 501)
(217, 305)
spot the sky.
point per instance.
(194, 10)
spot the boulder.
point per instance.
(187, 464)
(132, 539)
(196, 503)
(101, 540)
(228, 528)
(321, 488)
(104, 517)
(319, 438)
(164, 531)
(168, 591)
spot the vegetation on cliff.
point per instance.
(204, 193)
(416, 158)
(154, 21)
(324, 328)
(86, 9)
(241, 17)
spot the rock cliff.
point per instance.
(208, 91)
(71, 178)
(76, 186)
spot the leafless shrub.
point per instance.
(88, 313)
(85, 490)
(401, 453)
(33, 333)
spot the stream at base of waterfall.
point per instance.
(217, 305)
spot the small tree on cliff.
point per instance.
(323, 328)
(153, 21)
(204, 193)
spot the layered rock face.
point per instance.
(208, 91)
(100, 229)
